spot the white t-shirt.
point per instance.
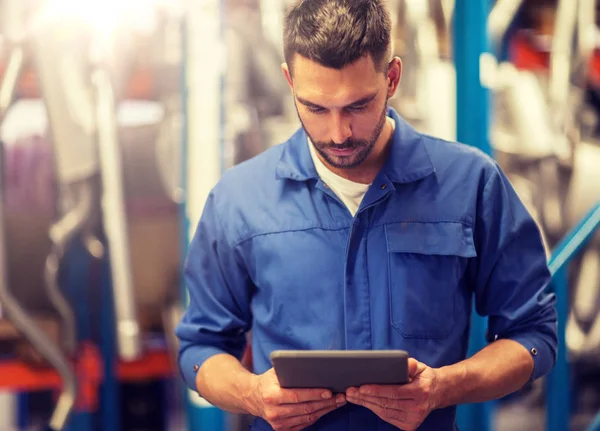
(349, 192)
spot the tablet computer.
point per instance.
(338, 370)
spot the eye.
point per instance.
(315, 110)
(357, 108)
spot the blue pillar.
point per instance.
(109, 390)
(22, 411)
(472, 116)
(203, 416)
(77, 274)
(470, 42)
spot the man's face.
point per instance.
(342, 111)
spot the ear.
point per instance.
(288, 75)
(394, 74)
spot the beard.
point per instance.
(358, 149)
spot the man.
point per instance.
(360, 233)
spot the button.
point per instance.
(534, 351)
(383, 186)
(496, 337)
(196, 368)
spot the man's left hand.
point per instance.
(405, 406)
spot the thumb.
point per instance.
(271, 376)
(415, 367)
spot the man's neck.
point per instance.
(366, 172)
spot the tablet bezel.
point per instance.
(338, 370)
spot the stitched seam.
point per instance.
(384, 223)
(238, 243)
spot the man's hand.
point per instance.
(404, 406)
(290, 409)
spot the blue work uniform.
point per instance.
(277, 252)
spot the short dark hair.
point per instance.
(335, 33)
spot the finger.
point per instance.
(295, 396)
(387, 414)
(403, 405)
(302, 409)
(303, 421)
(402, 392)
(420, 368)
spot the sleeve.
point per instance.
(218, 315)
(512, 275)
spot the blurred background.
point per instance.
(118, 116)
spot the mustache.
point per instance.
(347, 145)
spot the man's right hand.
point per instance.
(290, 409)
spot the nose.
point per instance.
(340, 128)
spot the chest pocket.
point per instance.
(426, 262)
